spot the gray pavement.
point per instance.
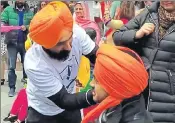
(6, 102)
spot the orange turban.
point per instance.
(120, 74)
(47, 25)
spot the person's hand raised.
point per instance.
(145, 30)
(106, 16)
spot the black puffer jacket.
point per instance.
(159, 58)
(129, 111)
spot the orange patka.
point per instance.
(120, 74)
(47, 25)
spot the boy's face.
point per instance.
(99, 94)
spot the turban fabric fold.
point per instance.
(120, 74)
(47, 25)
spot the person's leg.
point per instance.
(19, 102)
(69, 117)
(12, 56)
(76, 114)
(6, 63)
(17, 105)
(22, 114)
(35, 117)
(22, 54)
(2, 70)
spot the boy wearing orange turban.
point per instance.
(52, 64)
(119, 79)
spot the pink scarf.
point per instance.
(85, 9)
(86, 22)
(9, 28)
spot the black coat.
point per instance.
(158, 56)
(129, 111)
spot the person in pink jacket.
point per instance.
(18, 112)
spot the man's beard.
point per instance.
(61, 56)
(20, 5)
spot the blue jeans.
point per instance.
(13, 50)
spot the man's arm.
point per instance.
(26, 27)
(92, 55)
(4, 16)
(75, 101)
(126, 34)
(89, 47)
(30, 18)
(52, 89)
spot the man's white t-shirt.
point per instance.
(47, 76)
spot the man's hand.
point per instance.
(78, 83)
(101, 42)
(145, 30)
(23, 28)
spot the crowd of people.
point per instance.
(91, 61)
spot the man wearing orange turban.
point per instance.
(119, 79)
(52, 66)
